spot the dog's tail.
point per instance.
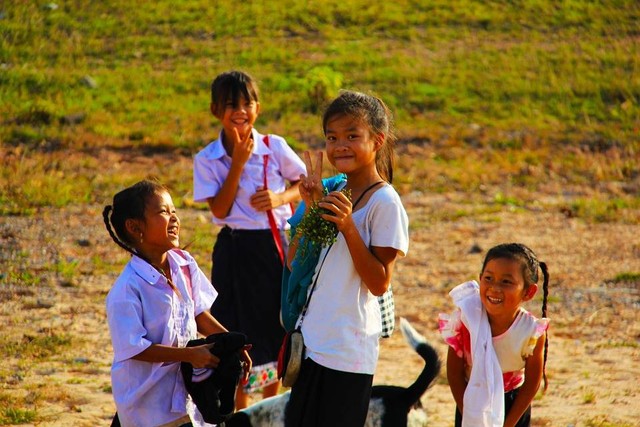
(411, 395)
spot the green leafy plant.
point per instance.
(316, 231)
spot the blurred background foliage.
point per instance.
(516, 93)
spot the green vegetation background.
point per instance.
(516, 93)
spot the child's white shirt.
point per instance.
(342, 325)
(211, 168)
(142, 310)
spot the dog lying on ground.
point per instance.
(390, 406)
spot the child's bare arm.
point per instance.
(207, 324)
(264, 200)
(455, 376)
(199, 356)
(528, 390)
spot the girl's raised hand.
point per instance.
(340, 208)
(311, 183)
(242, 146)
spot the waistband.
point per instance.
(226, 230)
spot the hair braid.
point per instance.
(107, 223)
(545, 293)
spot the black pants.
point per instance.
(323, 397)
(509, 398)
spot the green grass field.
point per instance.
(515, 92)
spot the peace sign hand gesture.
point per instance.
(242, 147)
(311, 189)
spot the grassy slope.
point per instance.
(503, 104)
(541, 92)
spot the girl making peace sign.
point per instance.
(342, 325)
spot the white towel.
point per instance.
(484, 396)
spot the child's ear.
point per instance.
(133, 227)
(530, 292)
(379, 141)
(257, 108)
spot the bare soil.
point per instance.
(594, 354)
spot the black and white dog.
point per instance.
(390, 406)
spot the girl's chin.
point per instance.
(341, 166)
(243, 130)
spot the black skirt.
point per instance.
(324, 397)
(247, 273)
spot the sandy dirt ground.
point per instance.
(594, 353)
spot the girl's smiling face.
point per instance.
(241, 116)
(350, 145)
(502, 288)
(161, 227)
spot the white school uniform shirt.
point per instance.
(211, 166)
(142, 309)
(342, 326)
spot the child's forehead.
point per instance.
(345, 120)
(504, 265)
(160, 198)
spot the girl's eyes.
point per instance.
(349, 137)
(246, 104)
(503, 283)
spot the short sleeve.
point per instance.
(206, 183)
(390, 226)
(128, 333)
(541, 325)
(290, 164)
(453, 331)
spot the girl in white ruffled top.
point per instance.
(497, 349)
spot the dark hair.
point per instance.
(375, 114)
(530, 266)
(232, 86)
(130, 203)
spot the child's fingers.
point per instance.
(318, 169)
(235, 136)
(337, 207)
(339, 199)
(247, 137)
(307, 163)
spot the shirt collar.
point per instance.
(217, 150)
(146, 271)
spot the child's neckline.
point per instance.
(364, 193)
